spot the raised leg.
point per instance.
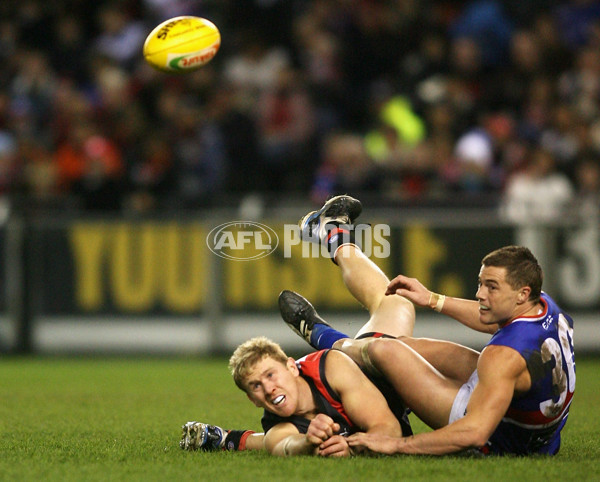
(332, 226)
(392, 315)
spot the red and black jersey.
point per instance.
(312, 369)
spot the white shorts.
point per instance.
(459, 407)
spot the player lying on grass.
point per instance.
(392, 315)
(311, 404)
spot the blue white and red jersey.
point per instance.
(533, 421)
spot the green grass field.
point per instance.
(89, 419)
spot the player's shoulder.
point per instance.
(498, 358)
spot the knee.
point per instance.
(406, 307)
(390, 352)
(404, 304)
(381, 349)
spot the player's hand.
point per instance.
(321, 428)
(382, 444)
(335, 446)
(409, 288)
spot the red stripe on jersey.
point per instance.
(310, 366)
(536, 417)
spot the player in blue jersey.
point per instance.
(517, 399)
(513, 397)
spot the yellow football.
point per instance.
(182, 44)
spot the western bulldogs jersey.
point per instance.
(312, 369)
(534, 420)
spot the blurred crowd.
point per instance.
(412, 101)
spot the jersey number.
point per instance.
(562, 382)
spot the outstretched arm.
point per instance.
(500, 369)
(284, 439)
(462, 310)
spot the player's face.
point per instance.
(498, 301)
(272, 385)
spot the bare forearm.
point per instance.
(435, 443)
(466, 312)
(255, 441)
(294, 445)
(463, 310)
(439, 442)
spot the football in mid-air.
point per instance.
(182, 44)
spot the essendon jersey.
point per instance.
(312, 369)
(534, 420)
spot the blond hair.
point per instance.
(249, 354)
